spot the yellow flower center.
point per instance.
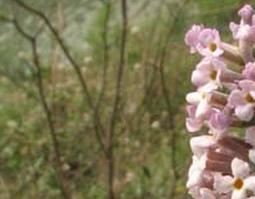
(213, 75)
(249, 98)
(212, 47)
(238, 184)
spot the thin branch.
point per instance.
(50, 122)
(117, 99)
(106, 54)
(97, 122)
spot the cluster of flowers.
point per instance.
(224, 100)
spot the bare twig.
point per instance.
(117, 99)
(50, 122)
(106, 54)
(97, 122)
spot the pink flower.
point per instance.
(243, 101)
(223, 98)
(243, 32)
(193, 123)
(206, 41)
(191, 37)
(239, 184)
(196, 170)
(246, 13)
(199, 98)
(249, 71)
(201, 144)
(209, 43)
(219, 122)
(208, 71)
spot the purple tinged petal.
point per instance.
(246, 13)
(246, 32)
(249, 71)
(198, 78)
(236, 98)
(191, 37)
(191, 110)
(209, 43)
(208, 71)
(208, 36)
(244, 112)
(247, 85)
(220, 122)
(193, 124)
(234, 29)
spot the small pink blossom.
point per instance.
(191, 37)
(243, 32)
(206, 41)
(201, 100)
(209, 43)
(220, 122)
(208, 71)
(224, 98)
(246, 13)
(193, 123)
(239, 184)
(243, 101)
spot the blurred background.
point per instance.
(92, 96)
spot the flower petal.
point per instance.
(200, 144)
(245, 112)
(193, 97)
(238, 194)
(240, 169)
(198, 78)
(206, 194)
(247, 85)
(252, 155)
(249, 184)
(250, 136)
(203, 108)
(236, 98)
(193, 124)
(222, 184)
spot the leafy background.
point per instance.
(150, 143)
